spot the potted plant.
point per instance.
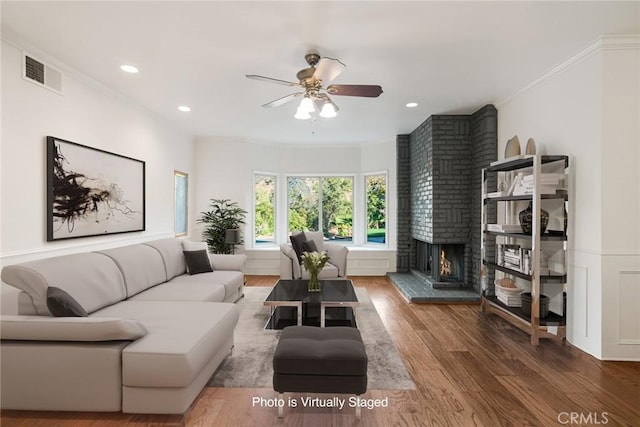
(224, 215)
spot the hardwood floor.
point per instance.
(469, 369)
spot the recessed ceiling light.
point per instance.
(184, 108)
(411, 104)
(129, 69)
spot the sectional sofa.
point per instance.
(152, 337)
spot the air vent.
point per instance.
(42, 74)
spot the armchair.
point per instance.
(291, 268)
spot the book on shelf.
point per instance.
(497, 194)
(514, 257)
(505, 228)
(549, 183)
(509, 300)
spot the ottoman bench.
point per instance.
(309, 359)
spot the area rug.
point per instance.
(250, 364)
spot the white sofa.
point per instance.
(152, 339)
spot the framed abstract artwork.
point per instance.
(91, 192)
(181, 203)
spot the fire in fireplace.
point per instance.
(445, 265)
(441, 262)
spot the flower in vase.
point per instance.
(313, 262)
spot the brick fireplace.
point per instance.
(439, 200)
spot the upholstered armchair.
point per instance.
(290, 263)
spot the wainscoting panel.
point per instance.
(629, 313)
(620, 302)
(580, 302)
(584, 301)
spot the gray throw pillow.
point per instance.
(197, 262)
(296, 243)
(61, 304)
(309, 246)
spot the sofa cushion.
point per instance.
(178, 346)
(90, 329)
(92, 278)
(188, 245)
(171, 251)
(183, 288)
(197, 262)
(61, 304)
(141, 265)
(231, 281)
(297, 239)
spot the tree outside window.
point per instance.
(376, 190)
(265, 209)
(322, 203)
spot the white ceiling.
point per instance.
(450, 57)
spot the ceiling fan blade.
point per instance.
(328, 69)
(370, 91)
(269, 79)
(281, 101)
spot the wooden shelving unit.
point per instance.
(553, 325)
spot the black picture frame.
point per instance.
(92, 192)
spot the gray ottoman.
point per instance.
(309, 359)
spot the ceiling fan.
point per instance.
(315, 96)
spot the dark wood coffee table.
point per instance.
(292, 304)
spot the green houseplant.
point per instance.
(224, 215)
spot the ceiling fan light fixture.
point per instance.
(307, 105)
(302, 114)
(328, 110)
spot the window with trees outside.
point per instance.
(265, 209)
(376, 192)
(321, 203)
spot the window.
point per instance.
(321, 203)
(180, 193)
(265, 209)
(376, 191)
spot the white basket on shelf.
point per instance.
(508, 296)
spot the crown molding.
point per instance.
(628, 42)
(603, 43)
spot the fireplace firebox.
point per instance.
(442, 263)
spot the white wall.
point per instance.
(588, 109)
(621, 199)
(225, 168)
(88, 114)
